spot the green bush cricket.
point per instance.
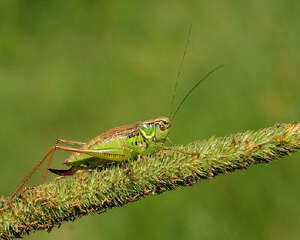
(115, 145)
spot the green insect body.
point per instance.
(115, 145)
(118, 144)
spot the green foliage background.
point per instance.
(73, 69)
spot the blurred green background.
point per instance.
(73, 69)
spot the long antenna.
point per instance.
(180, 68)
(193, 88)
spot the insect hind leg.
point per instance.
(58, 141)
(49, 154)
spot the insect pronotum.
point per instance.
(117, 144)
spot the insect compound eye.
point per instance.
(162, 126)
